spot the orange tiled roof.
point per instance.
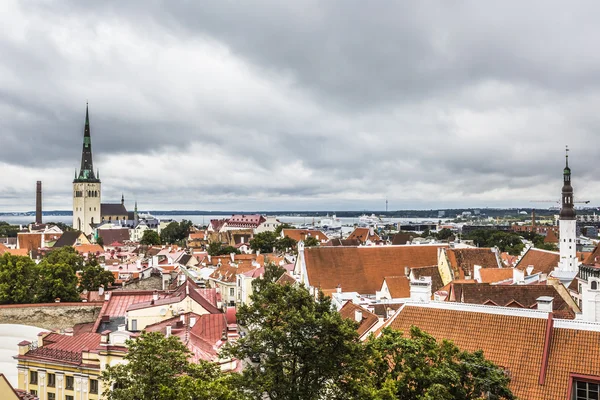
(362, 269)
(462, 261)
(543, 261)
(399, 286)
(196, 236)
(515, 343)
(594, 256)
(18, 252)
(550, 237)
(363, 234)
(368, 321)
(302, 234)
(88, 248)
(492, 275)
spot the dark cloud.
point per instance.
(292, 105)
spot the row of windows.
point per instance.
(81, 208)
(69, 382)
(90, 193)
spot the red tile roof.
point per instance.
(362, 269)
(368, 320)
(63, 348)
(363, 234)
(492, 275)
(462, 261)
(543, 261)
(515, 343)
(302, 234)
(398, 286)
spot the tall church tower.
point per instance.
(568, 263)
(86, 187)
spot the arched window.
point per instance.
(594, 285)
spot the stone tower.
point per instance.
(86, 187)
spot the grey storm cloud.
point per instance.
(306, 104)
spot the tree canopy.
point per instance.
(418, 367)
(266, 242)
(93, 276)
(306, 349)
(150, 238)
(157, 368)
(509, 242)
(175, 232)
(218, 249)
(8, 230)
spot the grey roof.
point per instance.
(110, 236)
(107, 209)
(68, 238)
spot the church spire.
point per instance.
(567, 210)
(86, 173)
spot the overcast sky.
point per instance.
(300, 105)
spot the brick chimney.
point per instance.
(38, 203)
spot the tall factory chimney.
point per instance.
(38, 203)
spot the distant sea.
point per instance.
(205, 219)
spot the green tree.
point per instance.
(284, 243)
(420, 368)
(150, 238)
(18, 275)
(263, 242)
(307, 350)
(56, 280)
(217, 249)
(444, 234)
(157, 368)
(175, 232)
(93, 276)
(8, 230)
(505, 241)
(66, 255)
(282, 227)
(311, 241)
(100, 241)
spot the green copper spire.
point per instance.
(86, 173)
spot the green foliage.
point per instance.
(56, 281)
(175, 232)
(93, 276)
(8, 230)
(509, 242)
(307, 350)
(285, 243)
(150, 238)
(157, 368)
(100, 241)
(217, 249)
(282, 227)
(444, 234)
(18, 277)
(265, 242)
(538, 241)
(420, 368)
(311, 241)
